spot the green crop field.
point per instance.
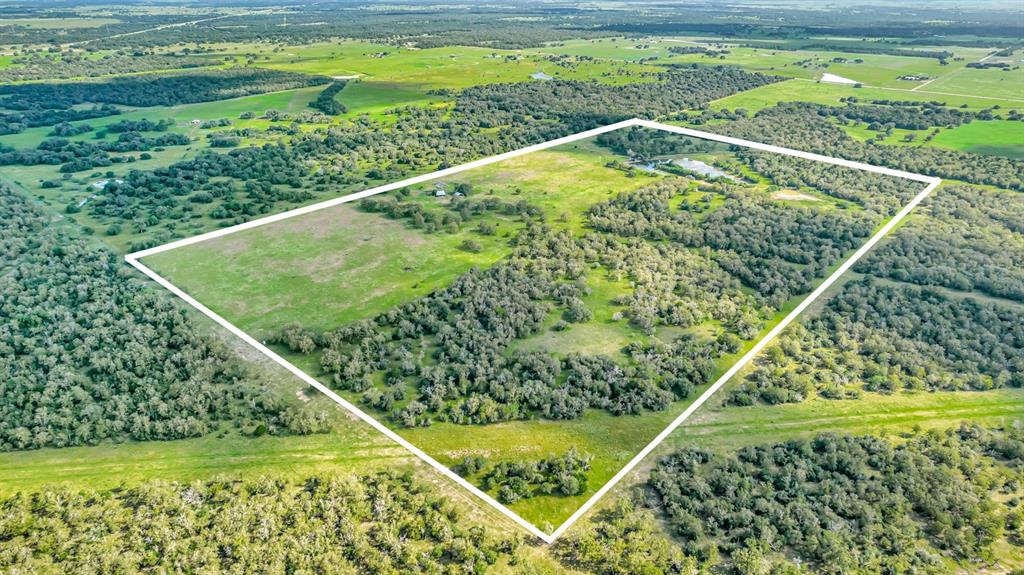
(992, 137)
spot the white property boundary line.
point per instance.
(133, 260)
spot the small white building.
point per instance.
(101, 184)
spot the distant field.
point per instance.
(992, 137)
(830, 94)
(1003, 137)
(79, 187)
(58, 23)
(433, 68)
(876, 70)
(991, 82)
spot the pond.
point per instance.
(702, 168)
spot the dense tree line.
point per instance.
(644, 143)
(386, 522)
(89, 353)
(509, 28)
(154, 89)
(880, 195)
(845, 504)
(897, 114)
(858, 48)
(964, 237)
(141, 125)
(74, 65)
(583, 105)
(15, 122)
(876, 337)
(326, 100)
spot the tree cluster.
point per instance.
(326, 100)
(846, 504)
(89, 353)
(796, 125)
(877, 337)
(387, 522)
(564, 475)
(452, 347)
(966, 238)
(775, 249)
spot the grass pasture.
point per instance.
(986, 137)
(322, 270)
(992, 82)
(830, 94)
(998, 137)
(733, 427)
(419, 70)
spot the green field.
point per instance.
(991, 82)
(986, 137)
(1000, 137)
(874, 70)
(830, 94)
(435, 68)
